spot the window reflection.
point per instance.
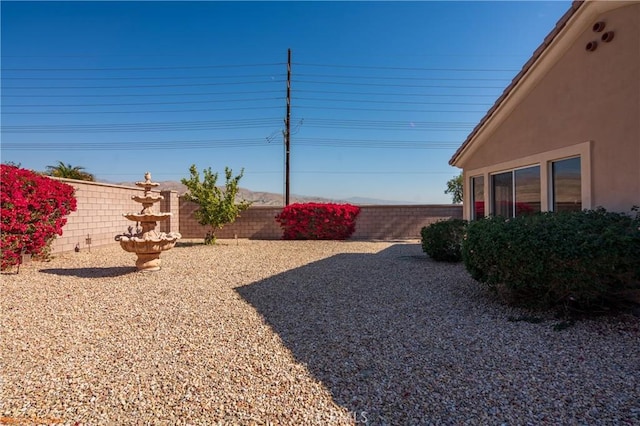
(567, 188)
(527, 185)
(477, 185)
(503, 194)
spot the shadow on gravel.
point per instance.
(400, 339)
(92, 272)
(187, 244)
(358, 327)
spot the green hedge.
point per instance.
(442, 240)
(583, 259)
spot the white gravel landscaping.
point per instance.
(296, 333)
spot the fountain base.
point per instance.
(148, 250)
(148, 262)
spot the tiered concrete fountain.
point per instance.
(147, 243)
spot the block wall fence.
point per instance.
(101, 208)
(100, 211)
(375, 222)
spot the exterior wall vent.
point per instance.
(608, 36)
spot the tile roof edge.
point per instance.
(525, 69)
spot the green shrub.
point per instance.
(442, 240)
(580, 259)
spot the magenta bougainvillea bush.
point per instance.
(33, 210)
(318, 221)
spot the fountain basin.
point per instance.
(147, 217)
(148, 250)
(147, 199)
(139, 245)
(147, 183)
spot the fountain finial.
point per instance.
(147, 177)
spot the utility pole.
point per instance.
(287, 131)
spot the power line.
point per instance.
(223, 143)
(142, 126)
(136, 111)
(360, 77)
(173, 77)
(373, 143)
(313, 108)
(246, 100)
(334, 121)
(235, 83)
(209, 77)
(125, 95)
(143, 103)
(377, 172)
(392, 102)
(234, 124)
(403, 68)
(439, 86)
(147, 68)
(302, 172)
(421, 95)
(132, 145)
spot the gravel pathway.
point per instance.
(296, 333)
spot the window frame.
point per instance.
(552, 200)
(514, 185)
(544, 160)
(472, 181)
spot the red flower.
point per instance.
(32, 209)
(318, 221)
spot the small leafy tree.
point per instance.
(68, 171)
(217, 207)
(454, 187)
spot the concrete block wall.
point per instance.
(400, 222)
(170, 203)
(373, 223)
(257, 222)
(101, 208)
(99, 214)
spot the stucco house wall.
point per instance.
(572, 102)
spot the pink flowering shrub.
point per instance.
(33, 210)
(318, 221)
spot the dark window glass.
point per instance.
(567, 189)
(527, 184)
(477, 185)
(502, 188)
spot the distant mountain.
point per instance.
(364, 201)
(273, 199)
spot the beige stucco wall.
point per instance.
(585, 97)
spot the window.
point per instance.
(557, 180)
(566, 185)
(503, 194)
(516, 192)
(527, 184)
(477, 197)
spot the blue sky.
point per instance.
(382, 93)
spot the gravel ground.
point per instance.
(295, 333)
